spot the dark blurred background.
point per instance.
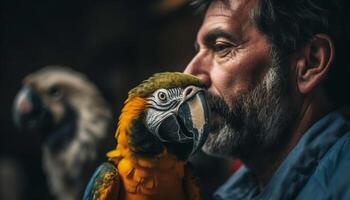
(117, 43)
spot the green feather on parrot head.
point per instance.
(173, 114)
(165, 80)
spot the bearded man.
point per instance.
(276, 71)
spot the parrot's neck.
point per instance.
(160, 176)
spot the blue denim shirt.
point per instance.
(318, 167)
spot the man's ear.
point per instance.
(312, 66)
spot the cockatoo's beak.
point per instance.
(28, 109)
(191, 122)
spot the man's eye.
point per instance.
(222, 48)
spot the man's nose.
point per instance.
(199, 66)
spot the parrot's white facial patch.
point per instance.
(161, 104)
(165, 99)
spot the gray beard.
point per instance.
(257, 123)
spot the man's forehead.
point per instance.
(229, 7)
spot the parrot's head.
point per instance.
(168, 110)
(57, 102)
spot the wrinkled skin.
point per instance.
(246, 82)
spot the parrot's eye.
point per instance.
(162, 96)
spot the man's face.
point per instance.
(248, 91)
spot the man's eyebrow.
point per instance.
(212, 35)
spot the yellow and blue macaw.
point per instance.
(163, 121)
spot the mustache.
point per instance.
(229, 116)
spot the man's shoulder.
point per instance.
(337, 156)
(331, 179)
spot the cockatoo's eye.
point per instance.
(162, 96)
(55, 92)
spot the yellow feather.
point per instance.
(146, 163)
(125, 166)
(130, 185)
(141, 172)
(167, 162)
(149, 183)
(114, 153)
(147, 191)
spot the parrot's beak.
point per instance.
(28, 110)
(190, 122)
(194, 116)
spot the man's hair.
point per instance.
(290, 24)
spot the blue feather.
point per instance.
(97, 180)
